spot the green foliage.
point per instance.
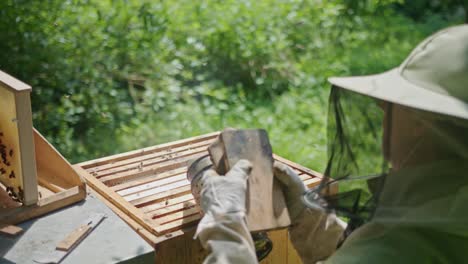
(109, 76)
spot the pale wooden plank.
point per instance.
(44, 192)
(73, 238)
(28, 159)
(169, 153)
(148, 179)
(173, 208)
(177, 223)
(10, 230)
(153, 184)
(312, 182)
(13, 84)
(50, 186)
(157, 190)
(160, 196)
(139, 152)
(167, 203)
(298, 166)
(177, 215)
(147, 163)
(137, 173)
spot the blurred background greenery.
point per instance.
(114, 75)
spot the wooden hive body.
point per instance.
(34, 177)
(148, 189)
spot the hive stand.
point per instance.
(149, 190)
(34, 177)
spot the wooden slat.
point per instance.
(173, 208)
(140, 172)
(177, 223)
(73, 238)
(167, 202)
(13, 84)
(10, 230)
(44, 192)
(168, 153)
(158, 190)
(153, 184)
(148, 178)
(160, 196)
(312, 182)
(177, 215)
(147, 163)
(135, 153)
(28, 159)
(47, 184)
(297, 166)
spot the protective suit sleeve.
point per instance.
(223, 230)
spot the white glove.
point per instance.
(313, 232)
(223, 229)
(293, 189)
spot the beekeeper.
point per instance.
(398, 149)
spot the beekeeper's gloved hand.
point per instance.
(223, 229)
(293, 189)
(313, 232)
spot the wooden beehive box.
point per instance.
(34, 177)
(149, 190)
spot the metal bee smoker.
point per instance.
(194, 173)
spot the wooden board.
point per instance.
(73, 238)
(79, 234)
(149, 189)
(266, 207)
(10, 230)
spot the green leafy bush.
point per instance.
(109, 76)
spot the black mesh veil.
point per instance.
(355, 156)
(393, 164)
